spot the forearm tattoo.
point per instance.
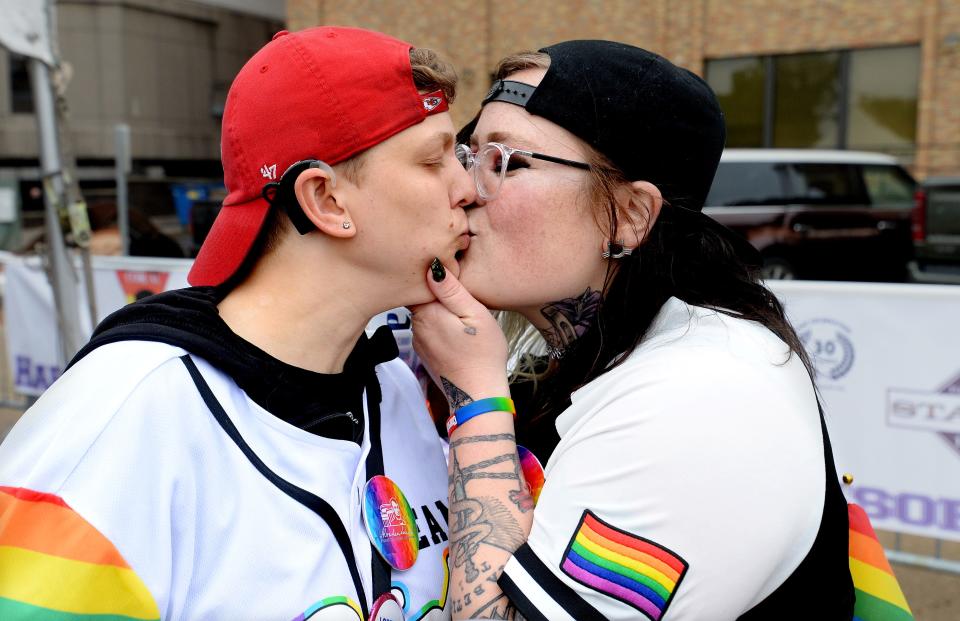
(499, 608)
(483, 519)
(569, 319)
(455, 397)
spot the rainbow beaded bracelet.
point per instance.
(481, 406)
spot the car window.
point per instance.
(888, 185)
(826, 184)
(749, 183)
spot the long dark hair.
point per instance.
(677, 258)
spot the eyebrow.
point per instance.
(445, 140)
(505, 138)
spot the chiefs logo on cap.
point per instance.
(434, 102)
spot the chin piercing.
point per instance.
(616, 250)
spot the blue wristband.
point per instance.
(481, 406)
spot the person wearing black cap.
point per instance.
(689, 475)
(242, 449)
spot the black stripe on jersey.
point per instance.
(316, 504)
(554, 587)
(519, 600)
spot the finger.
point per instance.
(449, 292)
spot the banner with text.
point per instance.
(32, 345)
(888, 368)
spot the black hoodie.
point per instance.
(329, 405)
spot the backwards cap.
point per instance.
(655, 121)
(325, 93)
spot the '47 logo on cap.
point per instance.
(269, 172)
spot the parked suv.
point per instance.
(824, 215)
(936, 230)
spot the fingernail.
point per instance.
(439, 272)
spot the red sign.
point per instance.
(138, 285)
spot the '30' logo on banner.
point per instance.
(830, 346)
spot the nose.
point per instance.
(464, 188)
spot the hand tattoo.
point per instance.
(455, 397)
(569, 320)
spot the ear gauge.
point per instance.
(616, 250)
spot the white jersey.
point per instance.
(122, 495)
(688, 481)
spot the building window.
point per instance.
(806, 103)
(739, 84)
(859, 99)
(21, 96)
(882, 98)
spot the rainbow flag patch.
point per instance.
(879, 597)
(56, 566)
(623, 566)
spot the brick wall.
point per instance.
(474, 34)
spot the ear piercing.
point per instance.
(616, 250)
(346, 224)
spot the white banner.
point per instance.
(24, 29)
(32, 340)
(888, 366)
(32, 345)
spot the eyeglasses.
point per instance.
(491, 163)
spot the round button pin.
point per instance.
(387, 608)
(390, 523)
(532, 472)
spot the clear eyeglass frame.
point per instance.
(490, 162)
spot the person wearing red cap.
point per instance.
(242, 449)
(688, 472)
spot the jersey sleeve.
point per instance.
(86, 502)
(54, 564)
(693, 484)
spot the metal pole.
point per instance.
(63, 279)
(122, 155)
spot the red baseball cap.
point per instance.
(324, 93)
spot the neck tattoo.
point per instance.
(569, 319)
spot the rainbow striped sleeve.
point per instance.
(626, 567)
(55, 566)
(879, 597)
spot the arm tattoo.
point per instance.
(480, 520)
(499, 608)
(487, 438)
(455, 397)
(520, 496)
(569, 319)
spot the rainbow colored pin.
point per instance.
(532, 472)
(390, 523)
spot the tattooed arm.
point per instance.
(491, 511)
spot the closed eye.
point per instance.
(515, 163)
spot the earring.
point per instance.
(616, 250)
(346, 224)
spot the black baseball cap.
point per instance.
(655, 121)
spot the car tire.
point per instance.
(777, 268)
